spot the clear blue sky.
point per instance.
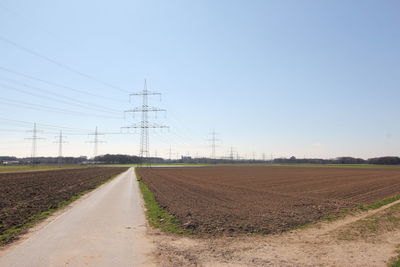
(302, 78)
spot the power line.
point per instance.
(59, 64)
(69, 130)
(7, 101)
(21, 131)
(145, 124)
(38, 25)
(55, 84)
(168, 141)
(42, 125)
(45, 92)
(183, 127)
(54, 99)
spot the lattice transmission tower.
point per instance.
(34, 139)
(232, 153)
(96, 142)
(170, 153)
(145, 124)
(60, 141)
(214, 140)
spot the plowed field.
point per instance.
(25, 194)
(264, 199)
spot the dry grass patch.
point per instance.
(371, 227)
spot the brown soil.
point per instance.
(264, 199)
(25, 194)
(321, 244)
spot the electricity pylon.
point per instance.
(231, 154)
(34, 139)
(95, 141)
(145, 124)
(213, 141)
(60, 142)
(170, 152)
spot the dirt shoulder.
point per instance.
(368, 238)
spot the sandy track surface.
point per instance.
(107, 227)
(317, 245)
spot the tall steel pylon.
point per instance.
(34, 139)
(145, 124)
(60, 141)
(213, 141)
(96, 142)
(231, 154)
(170, 152)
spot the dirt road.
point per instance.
(107, 227)
(356, 240)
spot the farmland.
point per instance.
(25, 196)
(25, 168)
(262, 199)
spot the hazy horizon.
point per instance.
(309, 79)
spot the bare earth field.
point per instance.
(24, 195)
(369, 238)
(264, 199)
(275, 200)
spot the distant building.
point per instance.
(11, 162)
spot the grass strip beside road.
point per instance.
(11, 234)
(347, 211)
(157, 216)
(380, 203)
(395, 262)
(372, 226)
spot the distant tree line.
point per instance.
(128, 159)
(7, 158)
(118, 159)
(41, 160)
(385, 161)
(340, 160)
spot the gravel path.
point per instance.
(107, 227)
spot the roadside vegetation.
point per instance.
(348, 211)
(395, 262)
(380, 203)
(156, 215)
(372, 226)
